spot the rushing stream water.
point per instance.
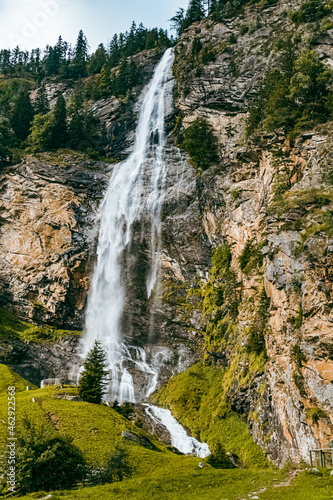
(135, 191)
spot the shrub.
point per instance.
(46, 462)
(315, 414)
(41, 132)
(256, 341)
(251, 256)
(201, 144)
(116, 468)
(219, 459)
(295, 95)
(309, 12)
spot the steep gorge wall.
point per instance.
(287, 398)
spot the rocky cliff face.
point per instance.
(289, 401)
(47, 236)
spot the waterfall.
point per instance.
(136, 188)
(179, 438)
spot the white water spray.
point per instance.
(128, 197)
(179, 438)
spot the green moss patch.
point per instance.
(13, 327)
(8, 378)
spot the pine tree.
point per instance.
(201, 144)
(80, 56)
(177, 21)
(22, 115)
(42, 103)
(7, 141)
(195, 12)
(59, 131)
(213, 7)
(97, 61)
(93, 380)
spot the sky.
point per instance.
(36, 23)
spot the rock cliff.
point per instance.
(288, 401)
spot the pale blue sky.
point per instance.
(35, 23)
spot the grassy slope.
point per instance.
(207, 484)
(195, 398)
(159, 474)
(95, 429)
(8, 378)
(12, 327)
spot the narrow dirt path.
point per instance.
(290, 477)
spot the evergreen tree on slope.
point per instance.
(93, 379)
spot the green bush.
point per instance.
(201, 144)
(116, 468)
(310, 12)
(256, 342)
(46, 462)
(251, 256)
(296, 94)
(315, 414)
(219, 458)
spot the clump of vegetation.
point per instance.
(201, 144)
(125, 409)
(311, 12)
(297, 320)
(298, 355)
(219, 458)
(296, 94)
(236, 193)
(251, 256)
(116, 468)
(315, 414)
(296, 283)
(256, 342)
(299, 358)
(13, 327)
(93, 379)
(221, 298)
(46, 462)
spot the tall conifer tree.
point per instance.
(94, 376)
(59, 132)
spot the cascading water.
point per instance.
(179, 438)
(135, 194)
(136, 187)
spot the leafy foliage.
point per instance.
(7, 142)
(251, 256)
(201, 144)
(117, 468)
(93, 378)
(195, 12)
(311, 11)
(22, 115)
(296, 94)
(219, 458)
(256, 342)
(221, 298)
